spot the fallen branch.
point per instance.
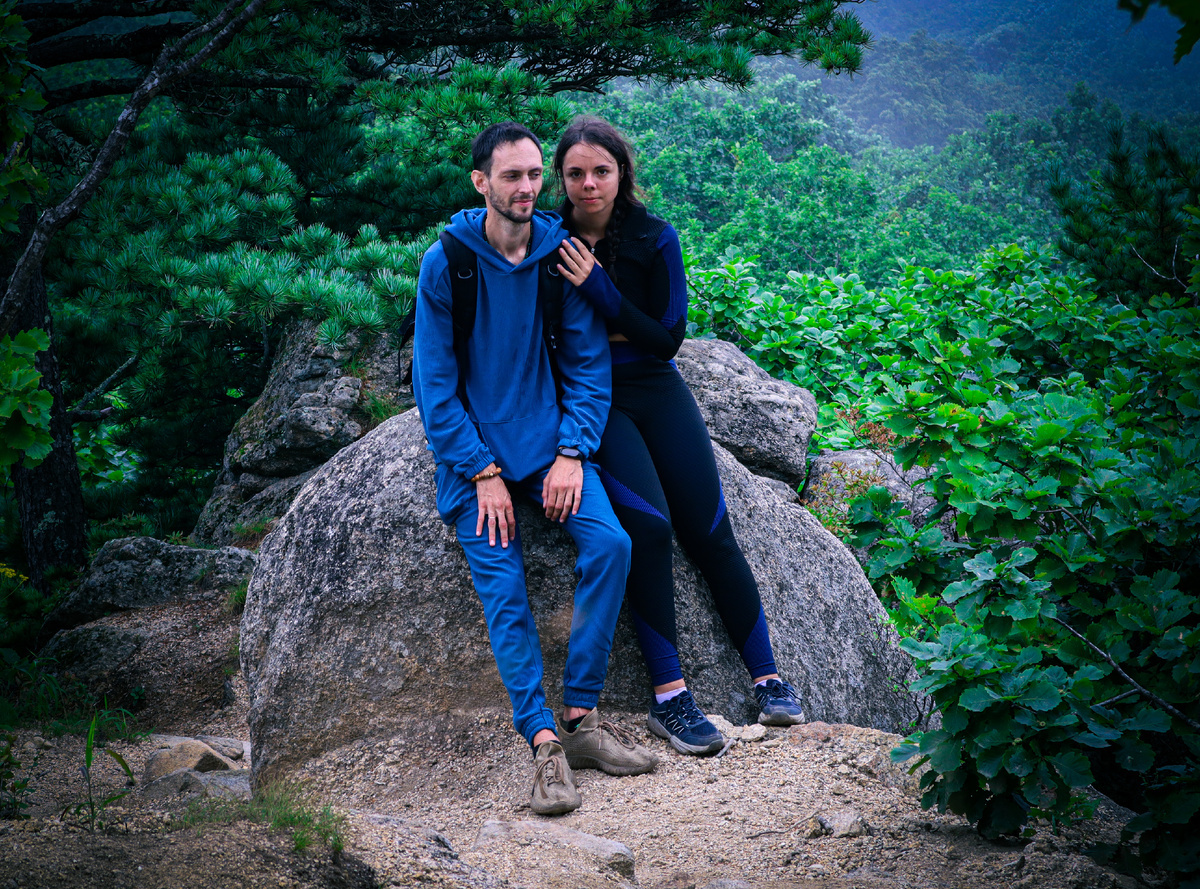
(107, 384)
(802, 820)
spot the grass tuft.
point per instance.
(281, 805)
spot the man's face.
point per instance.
(515, 180)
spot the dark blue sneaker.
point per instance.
(779, 703)
(680, 721)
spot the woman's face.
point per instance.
(591, 176)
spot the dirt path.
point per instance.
(418, 812)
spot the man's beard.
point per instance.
(513, 215)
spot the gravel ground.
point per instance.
(419, 811)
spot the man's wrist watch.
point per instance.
(573, 453)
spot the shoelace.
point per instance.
(685, 713)
(553, 766)
(624, 738)
(778, 689)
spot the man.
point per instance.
(506, 430)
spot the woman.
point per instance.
(655, 457)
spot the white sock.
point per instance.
(761, 682)
(667, 695)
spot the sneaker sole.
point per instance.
(591, 762)
(780, 719)
(560, 808)
(694, 749)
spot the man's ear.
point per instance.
(480, 180)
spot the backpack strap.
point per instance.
(464, 300)
(550, 293)
(464, 296)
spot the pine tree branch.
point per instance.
(104, 387)
(45, 20)
(166, 69)
(92, 89)
(1174, 276)
(1148, 694)
(249, 80)
(74, 156)
(74, 417)
(86, 10)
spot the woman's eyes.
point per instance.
(599, 173)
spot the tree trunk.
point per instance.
(49, 496)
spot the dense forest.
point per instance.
(973, 234)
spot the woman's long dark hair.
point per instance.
(599, 132)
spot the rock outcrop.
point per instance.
(139, 572)
(361, 618)
(763, 422)
(833, 471)
(316, 401)
(132, 660)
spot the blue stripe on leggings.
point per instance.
(662, 660)
(756, 653)
(720, 507)
(626, 497)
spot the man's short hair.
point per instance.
(494, 136)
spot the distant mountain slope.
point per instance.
(941, 66)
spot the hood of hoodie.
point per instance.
(467, 226)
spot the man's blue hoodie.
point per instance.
(515, 419)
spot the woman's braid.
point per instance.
(612, 238)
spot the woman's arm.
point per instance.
(657, 328)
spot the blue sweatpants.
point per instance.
(499, 575)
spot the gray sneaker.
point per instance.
(554, 790)
(605, 746)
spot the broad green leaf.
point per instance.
(1046, 434)
(977, 698)
(1040, 695)
(1073, 767)
(1147, 719)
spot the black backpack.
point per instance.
(464, 300)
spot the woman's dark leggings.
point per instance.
(657, 465)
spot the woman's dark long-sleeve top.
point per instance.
(650, 306)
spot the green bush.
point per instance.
(1060, 634)
(24, 406)
(1058, 630)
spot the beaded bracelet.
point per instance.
(480, 476)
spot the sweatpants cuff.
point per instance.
(543, 719)
(573, 697)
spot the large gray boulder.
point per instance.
(139, 572)
(316, 401)
(765, 423)
(361, 621)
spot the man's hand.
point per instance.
(562, 489)
(496, 510)
(577, 261)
